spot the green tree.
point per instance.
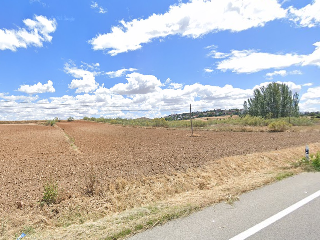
(295, 105)
(274, 101)
(245, 108)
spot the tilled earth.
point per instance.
(32, 154)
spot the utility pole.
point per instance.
(191, 121)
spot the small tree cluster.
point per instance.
(274, 101)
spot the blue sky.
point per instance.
(124, 58)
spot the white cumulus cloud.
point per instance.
(282, 73)
(137, 84)
(208, 70)
(313, 58)
(250, 61)
(119, 73)
(307, 16)
(37, 88)
(275, 73)
(36, 32)
(85, 80)
(310, 101)
(192, 19)
(312, 93)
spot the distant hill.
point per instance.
(208, 113)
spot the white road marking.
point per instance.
(275, 217)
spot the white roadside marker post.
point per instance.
(307, 153)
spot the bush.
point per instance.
(50, 123)
(254, 121)
(301, 121)
(313, 164)
(199, 123)
(315, 161)
(279, 126)
(159, 122)
(70, 119)
(50, 194)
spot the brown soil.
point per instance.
(128, 152)
(112, 155)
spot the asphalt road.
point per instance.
(289, 209)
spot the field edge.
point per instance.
(221, 181)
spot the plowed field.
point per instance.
(126, 151)
(32, 154)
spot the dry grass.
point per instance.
(130, 206)
(237, 128)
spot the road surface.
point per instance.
(289, 209)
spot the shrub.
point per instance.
(279, 126)
(313, 164)
(253, 121)
(315, 161)
(50, 194)
(50, 123)
(100, 119)
(199, 123)
(159, 122)
(70, 119)
(90, 183)
(301, 121)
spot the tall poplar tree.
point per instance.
(274, 101)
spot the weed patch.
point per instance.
(279, 126)
(315, 161)
(50, 194)
(119, 235)
(284, 175)
(90, 183)
(311, 165)
(50, 123)
(138, 227)
(231, 199)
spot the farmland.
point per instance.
(102, 169)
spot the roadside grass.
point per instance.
(282, 175)
(27, 230)
(119, 235)
(232, 199)
(311, 165)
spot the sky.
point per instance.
(130, 59)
